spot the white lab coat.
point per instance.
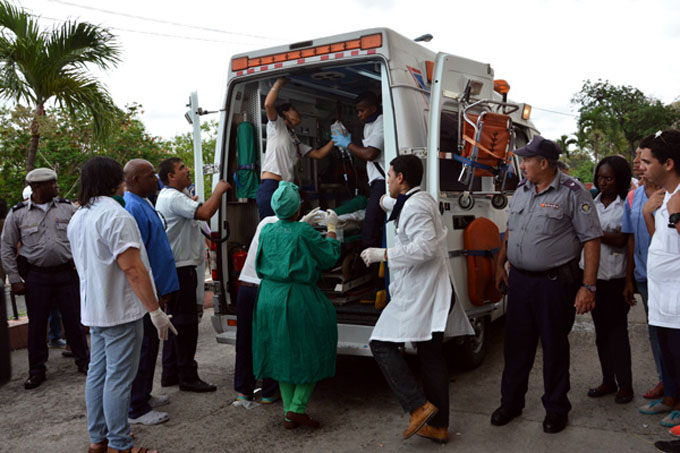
(420, 284)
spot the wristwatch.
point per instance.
(673, 219)
(591, 288)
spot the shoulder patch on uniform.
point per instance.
(64, 200)
(586, 208)
(18, 206)
(571, 184)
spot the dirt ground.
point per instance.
(356, 408)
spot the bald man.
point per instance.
(141, 181)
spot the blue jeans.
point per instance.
(55, 325)
(263, 198)
(114, 358)
(669, 387)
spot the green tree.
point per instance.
(182, 146)
(36, 66)
(67, 142)
(613, 119)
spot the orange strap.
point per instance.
(482, 147)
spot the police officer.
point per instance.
(43, 269)
(552, 218)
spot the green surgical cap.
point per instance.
(286, 200)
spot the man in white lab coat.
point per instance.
(421, 294)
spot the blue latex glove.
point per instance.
(342, 141)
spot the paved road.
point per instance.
(356, 408)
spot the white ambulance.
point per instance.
(445, 109)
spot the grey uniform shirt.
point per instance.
(548, 229)
(42, 235)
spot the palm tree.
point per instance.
(36, 66)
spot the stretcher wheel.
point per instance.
(466, 201)
(499, 201)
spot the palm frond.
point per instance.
(77, 91)
(76, 44)
(21, 24)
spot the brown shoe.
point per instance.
(654, 393)
(419, 417)
(302, 419)
(434, 433)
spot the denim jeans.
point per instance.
(114, 358)
(669, 386)
(263, 198)
(403, 383)
(54, 320)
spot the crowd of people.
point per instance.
(123, 269)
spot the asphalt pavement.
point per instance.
(356, 408)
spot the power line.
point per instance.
(555, 112)
(160, 21)
(166, 35)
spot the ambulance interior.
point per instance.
(323, 95)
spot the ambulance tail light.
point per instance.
(239, 64)
(526, 112)
(371, 41)
(301, 51)
(213, 257)
(429, 69)
(231, 322)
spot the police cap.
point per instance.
(41, 175)
(539, 146)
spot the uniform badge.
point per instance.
(585, 207)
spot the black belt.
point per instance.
(67, 266)
(550, 274)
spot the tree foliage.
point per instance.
(67, 142)
(613, 119)
(38, 66)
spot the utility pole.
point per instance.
(194, 117)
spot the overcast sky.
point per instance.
(544, 49)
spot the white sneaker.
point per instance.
(158, 401)
(150, 418)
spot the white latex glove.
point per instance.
(162, 323)
(331, 220)
(373, 255)
(309, 218)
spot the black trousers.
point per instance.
(179, 350)
(374, 220)
(538, 308)
(143, 383)
(610, 317)
(403, 383)
(244, 380)
(43, 290)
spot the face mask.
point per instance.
(119, 199)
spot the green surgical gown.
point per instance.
(295, 332)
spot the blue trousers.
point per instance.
(244, 380)
(669, 386)
(115, 356)
(539, 308)
(669, 339)
(263, 198)
(143, 382)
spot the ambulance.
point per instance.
(449, 111)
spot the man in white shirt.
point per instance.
(183, 216)
(370, 112)
(660, 164)
(116, 291)
(418, 312)
(283, 148)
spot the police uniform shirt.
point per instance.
(547, 229)
(42, 235)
